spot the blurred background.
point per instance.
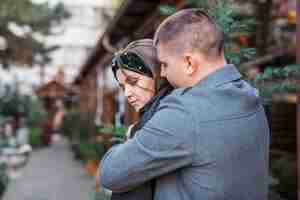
(61, 109)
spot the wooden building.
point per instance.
(54, 91)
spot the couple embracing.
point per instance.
(202, 132)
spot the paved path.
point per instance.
(52, 174)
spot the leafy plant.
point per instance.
(14, 104)
(278, 80)
(35, 112)
(91, 151)
(35, 137)
(118, 132)
(71, 124)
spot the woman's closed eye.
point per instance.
(121, 86)
(132, 81)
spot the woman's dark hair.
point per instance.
(146, 51)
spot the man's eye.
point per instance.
(163, 65)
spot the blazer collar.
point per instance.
(224, 75)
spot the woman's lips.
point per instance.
(133, 103)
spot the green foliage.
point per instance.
(91, 151)
(118, 132)
(277, 80)
(74, 127)
(285, 170)
(3, 180)
(167, 9)
(35, 137)
(197, 4)
(71, 123)
(272, 73)
(233, 25)
(35, 112)
(11, 104)
(240, 56)
(14, 104)
(36, 19)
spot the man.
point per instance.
(209, 138)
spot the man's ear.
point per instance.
(191, 63)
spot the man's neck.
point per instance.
(207, 69)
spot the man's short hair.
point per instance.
(191, 29)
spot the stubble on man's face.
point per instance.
(171, 64)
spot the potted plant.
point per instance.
(109, 135)
(91, 154)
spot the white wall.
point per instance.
(77, 37)
(80, 34)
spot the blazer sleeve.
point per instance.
(163, 145)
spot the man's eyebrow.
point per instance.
(162, 63)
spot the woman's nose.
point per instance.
(127, 91)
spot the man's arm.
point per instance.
(163, 145)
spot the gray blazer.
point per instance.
(209, 142)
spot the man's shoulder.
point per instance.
(186, 99)
(185, 95)
(177, 96)
(233, 99)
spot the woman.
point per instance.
(137, 70)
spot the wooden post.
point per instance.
(263, 17)
(109, 107)
(298, 144)
(298, 103)
(88, 102)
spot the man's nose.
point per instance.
(163, 72)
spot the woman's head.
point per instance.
(136, 68)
